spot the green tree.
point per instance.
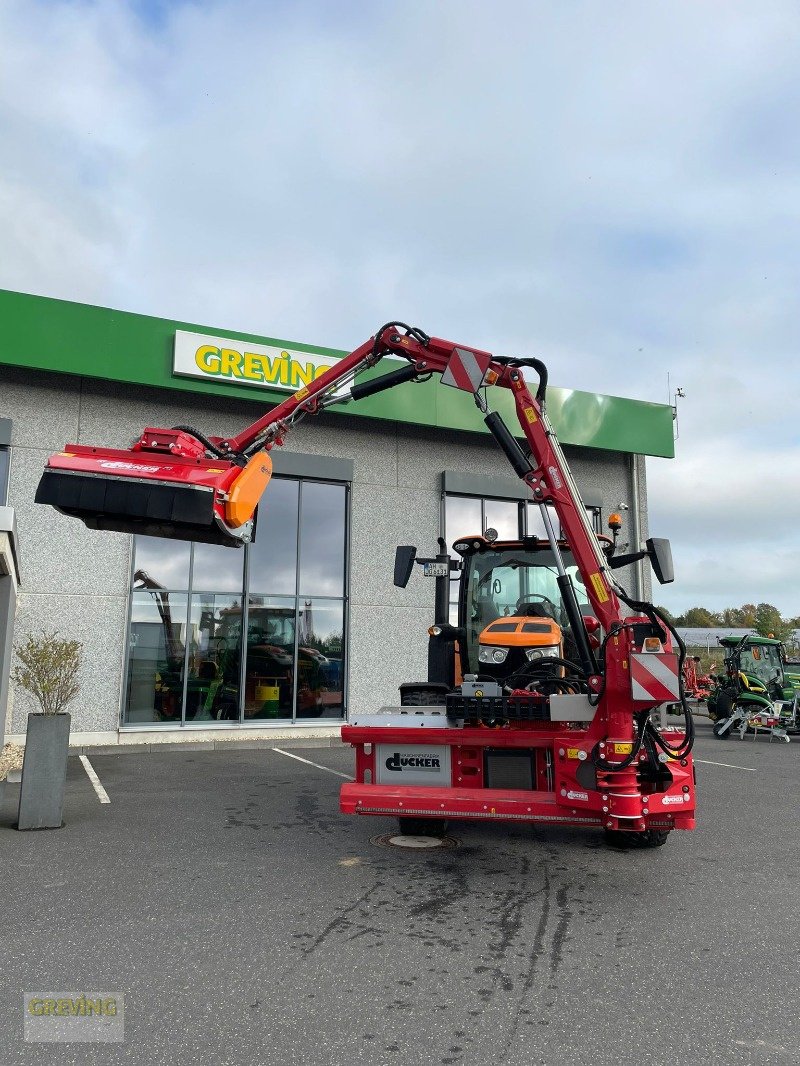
(747, 614)
(700, 618)
(768, 622)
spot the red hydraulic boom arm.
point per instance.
(178, 483)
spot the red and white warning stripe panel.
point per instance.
(655, 677)
(466, 369)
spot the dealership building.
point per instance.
(302, 628)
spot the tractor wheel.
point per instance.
(423, 827)
(623, 838)
(722, 707)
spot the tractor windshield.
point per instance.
(761, 660)
(499, 584)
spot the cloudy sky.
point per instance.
(611, 185)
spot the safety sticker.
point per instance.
(465, 369)
(301, 395)
(530, 414)
(599, 587)
(654, 678)
(622, 749)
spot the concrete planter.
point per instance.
(44, 772)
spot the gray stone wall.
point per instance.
(76, 580)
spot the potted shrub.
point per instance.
(47, 669)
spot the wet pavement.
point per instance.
(246, 921)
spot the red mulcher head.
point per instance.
(156, 494)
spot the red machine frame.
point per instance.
(630, 784)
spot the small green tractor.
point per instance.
(755, 691)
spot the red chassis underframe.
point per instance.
(619, 800)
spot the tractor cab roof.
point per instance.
(473, 543)
(732, 642)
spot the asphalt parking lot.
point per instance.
(246, 921)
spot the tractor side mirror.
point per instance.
(660, 552)
(404, 557)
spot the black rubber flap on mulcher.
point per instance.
(152, 509)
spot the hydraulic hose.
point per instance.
(207, 444)
(657, 617)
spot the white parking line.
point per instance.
(308, 762)
(102, 795)
(727, 765)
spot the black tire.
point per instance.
(723, 705)
(423, 827)
(650, 838)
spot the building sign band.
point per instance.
(197, 355)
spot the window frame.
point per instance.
(291, 473)
(5, 473)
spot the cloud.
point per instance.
(609, 187)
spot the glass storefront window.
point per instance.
(213, 682)
(269, 679)
(217, 568)
(322, 534)
(273, 554)
(163, 563)
(156, 657)
(290, 662)
(320, 658)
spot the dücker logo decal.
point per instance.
(425, 761)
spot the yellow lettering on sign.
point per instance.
(599, 587)
(252, 367)
(530, 414)
(299, 374)
(207, 359)
(276, 371)
(230, 363)
(320, 370)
